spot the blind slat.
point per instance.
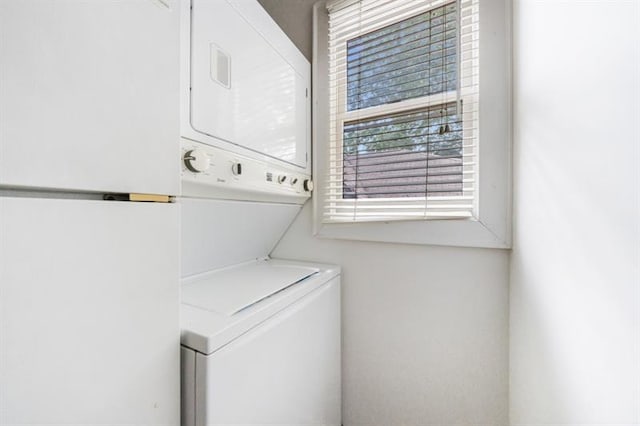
(341, 172)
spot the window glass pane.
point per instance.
(412, 58)
(409, 154)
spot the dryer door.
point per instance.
(249, 85)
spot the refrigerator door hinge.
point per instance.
(155, 198)
(150, 198)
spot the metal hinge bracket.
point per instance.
(149, 198)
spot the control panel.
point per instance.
(213, 172)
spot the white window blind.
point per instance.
(403, 130)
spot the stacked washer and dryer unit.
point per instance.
(260, 336)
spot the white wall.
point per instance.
(294, 17)
(575, 279)
(424, 329)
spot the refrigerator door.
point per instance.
(89, 312)
(89, 95)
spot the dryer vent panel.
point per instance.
(220, 66)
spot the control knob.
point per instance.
(282, 178)
(308, 185)
(197, 160)
(236, 169)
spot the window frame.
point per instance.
(490, 225)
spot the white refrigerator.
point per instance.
(89, 296)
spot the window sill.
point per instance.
(460, 233)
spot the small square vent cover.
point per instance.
(220, 66)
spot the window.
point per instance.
(411, 128)
(403, 110)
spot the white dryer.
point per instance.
(261, 345)
(245, 104)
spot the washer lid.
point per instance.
(205, 329)
(231, 290)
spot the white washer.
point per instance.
(260, 337)
(261, 345)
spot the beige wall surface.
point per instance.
(295, 19)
